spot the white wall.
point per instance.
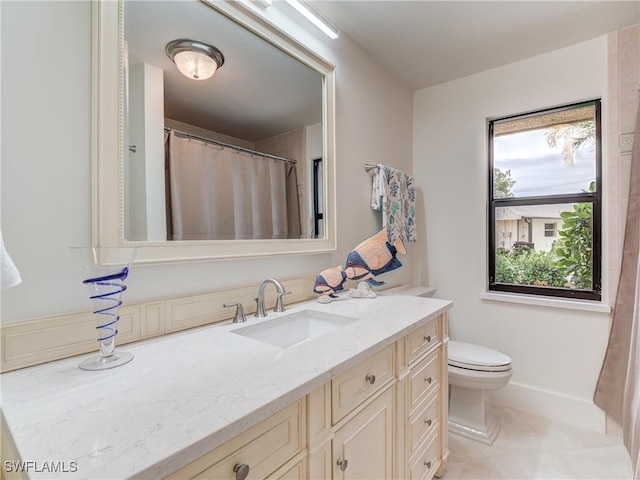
(46, 154)
(145, 201)
(556, 353)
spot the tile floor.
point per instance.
(533, 447)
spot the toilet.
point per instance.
(474, 371)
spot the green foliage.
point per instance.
(502, 183)
(573, 248)
(526, 266)
(567, 265)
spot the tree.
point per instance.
(502, 183)
(572, 136)
(573, 248)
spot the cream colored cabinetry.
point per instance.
(422, 399)
(386, 417)
(383, 418)
(363, 400)
(270, 448)
(363, 447)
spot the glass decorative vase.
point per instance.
(107, 269)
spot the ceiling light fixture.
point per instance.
(195, 60)
(314, 18)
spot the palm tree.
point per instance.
(572, 136)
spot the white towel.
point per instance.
(10, 275)
(377, 190)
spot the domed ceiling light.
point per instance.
(195, 60)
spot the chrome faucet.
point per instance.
(279, 307)
(239, 316)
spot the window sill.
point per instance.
(584, 305)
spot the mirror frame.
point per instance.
(107, 182)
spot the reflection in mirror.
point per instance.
(237, 156)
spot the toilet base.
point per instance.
(470, 414)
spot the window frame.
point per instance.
(552, 230)
(595, 198)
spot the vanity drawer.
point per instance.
(297, 472)
(423, 379)
(357, 384)
(426, 461)
(263, 448)
(423, 423)
(422, 340)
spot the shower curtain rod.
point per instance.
(228, 145)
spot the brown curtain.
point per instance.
(618, 388)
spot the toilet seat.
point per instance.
(477, 358)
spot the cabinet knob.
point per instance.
(427, 338)
(343, 464)
(428, 380)
(241, 471)
(371, 379)
(427, 422)
(427, 464)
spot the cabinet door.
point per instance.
(363, 447)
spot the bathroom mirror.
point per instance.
(141, 101)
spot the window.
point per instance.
(550, 229)
(318, 216)
(545, 202)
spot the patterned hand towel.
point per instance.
(394, 193)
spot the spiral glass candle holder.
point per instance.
(107, 269)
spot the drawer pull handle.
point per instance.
(427, 338)
(428, 380)
(343, 464)
(371, 379)
(427, 464)
(427, 422)
(241, 471)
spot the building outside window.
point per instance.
(545, 194)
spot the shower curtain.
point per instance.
(218, 193)
(618, 388)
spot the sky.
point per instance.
(540, 170)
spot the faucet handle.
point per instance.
(279, 305)
(239, 316)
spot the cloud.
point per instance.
(539, 169)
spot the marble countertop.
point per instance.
(186, 393)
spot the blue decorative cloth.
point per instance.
(395, 195)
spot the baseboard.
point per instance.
(572, 410)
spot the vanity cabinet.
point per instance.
(383, 418)
(362, 418)
(387, 416)
(268, 450)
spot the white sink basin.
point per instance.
(294, 328)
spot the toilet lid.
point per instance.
(477, 357)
